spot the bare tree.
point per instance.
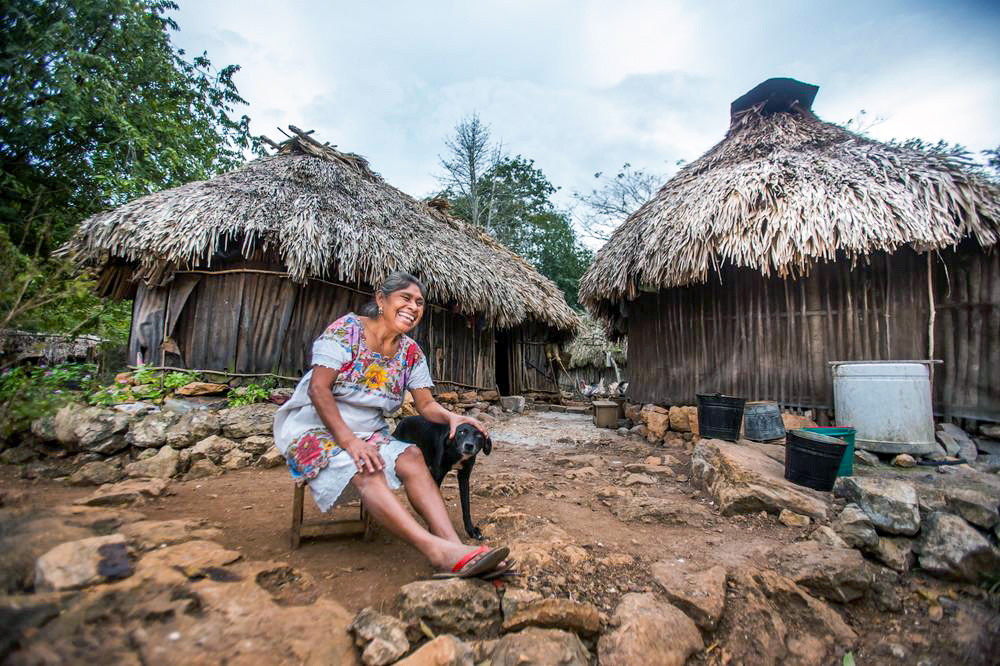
(470, 155)
(614, 199)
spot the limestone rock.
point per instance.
(792, 519)
(658, 510)
(540, 647)
(554, 613)
(193, 427)
(743, 479)
(95, 473)
(890, 504)
(91, 429)
(862, 457)
(632, 411)
(951, 548)
(976, 507)
(516, 598)
(949, 443)
(904, 460)
(466, 608)
(894, 552)
(854, 527)
(700, 594)
(151, 431)
(656, 419)
(381, 638)
(212, 448)
(647, 468)
(146, 535)
(649, 631)
(825, 536)
(124, 493)
(837, 574)
(77, 564)
(236, 459)
(17, 455)
(448, 396)
(639, 480)
(271, 458)
(796, 421)
(161, 466)
(442, 651)
(202, 388)
(257, 444)
(513, 403)
(680, 418)
(240, 422)
(190, 557)
(203, 469)
(45, 428)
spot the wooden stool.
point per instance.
(363, 525)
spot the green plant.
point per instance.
(31, 392)
(174, 380)
(248, 395)
(145, 375)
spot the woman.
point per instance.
(334, 435)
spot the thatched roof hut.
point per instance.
(786, 200)
(309, 216)
(591, 357)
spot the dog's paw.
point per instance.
(475, 534)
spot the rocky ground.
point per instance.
(630, 553)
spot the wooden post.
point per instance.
(300, 492)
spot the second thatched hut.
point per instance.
(241, 272)
(794, 242)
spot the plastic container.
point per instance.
(719, 416)
(762, 421)
(847, 435)
(605, 414)
(888, 403)
(812, 459)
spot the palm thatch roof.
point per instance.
(324, 214)
(591, 346)
(782, 191)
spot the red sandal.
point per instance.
(480, 561)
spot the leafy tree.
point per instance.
(471, 153)
(97, 107)
(614, 199)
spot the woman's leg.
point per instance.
(386, 509)
(424, 494)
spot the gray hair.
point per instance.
(396, 281)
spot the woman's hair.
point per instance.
(396, 281)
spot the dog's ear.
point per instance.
(488, 446)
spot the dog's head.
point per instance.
(469, 441)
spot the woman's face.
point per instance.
(403, 309)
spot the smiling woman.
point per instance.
(334, 436)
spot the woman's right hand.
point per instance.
(365, 455)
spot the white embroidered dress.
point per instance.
(368, 387)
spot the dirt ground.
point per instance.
(528, 474)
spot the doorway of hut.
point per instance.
(501, 361)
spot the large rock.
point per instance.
(555, 613)
(95, 473)
(77, 564)
(240, 422)
(976, 507)
(656, 419)
(161, 466)
(648, 631)
(949, 443)
(951, 548)
(45, 428)
(540, 647)
(513, 403)
(203, 469)
(684, 419)
(837, 574)
(125, 493)
(271, 458)
(854, 527)
(894, 552)
(144, 535)
(466, 608)
(743, 479)
(91, 429)
(631, 509)
(381, 638)
(257, 444)
(18, 455)
(442, 651)
(193, 427)
(151, 431)
(796, 421)
(213, 448)
(959, 438)
(778, 622)
(699, 593)
(236, 459)
(890, 504)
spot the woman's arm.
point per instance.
(431, 409)
(365, 455)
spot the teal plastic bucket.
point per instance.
(847, 435)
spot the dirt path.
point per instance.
(533, 475)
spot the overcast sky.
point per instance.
(585, 86)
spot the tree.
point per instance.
(470, 155)
(98, 107)
(614, 199)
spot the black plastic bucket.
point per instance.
(719, 416)
(812, 459)
(762, 421)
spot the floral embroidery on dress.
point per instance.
(312, 451)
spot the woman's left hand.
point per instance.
(455, 420)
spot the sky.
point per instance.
(582, 87)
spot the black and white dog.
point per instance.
(442, 453)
